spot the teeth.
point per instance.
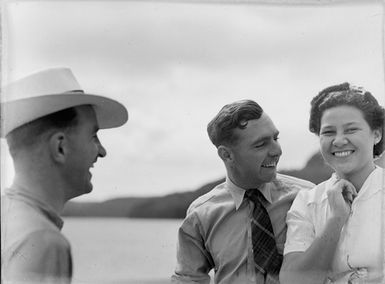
(269, 165)
(343, 153)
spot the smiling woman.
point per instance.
(347, 141)
(350, 123)
(329, 237)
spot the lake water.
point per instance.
(122, 250)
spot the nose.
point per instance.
(339, 140)
(101, 151)
(276, 149)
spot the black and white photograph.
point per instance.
(188, 141)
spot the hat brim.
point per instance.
(109, 113)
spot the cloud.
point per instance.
(174, 65)
(150, 38)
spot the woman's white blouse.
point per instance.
(360, 252)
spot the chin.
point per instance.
(343, 171)
(85, 190)
(270, 178)
(88, 189)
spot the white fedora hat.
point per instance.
(49, 91)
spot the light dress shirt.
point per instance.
(33, 250)
(216, 233)
(361, 248)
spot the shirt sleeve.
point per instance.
(300, 227)
(193, 260)
(43, 257)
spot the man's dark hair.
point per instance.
(345, 94)
(231, 116)
(30, 133)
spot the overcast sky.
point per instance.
(175, 64)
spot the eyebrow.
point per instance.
(346, 124)
(264, 138)
(351, 123)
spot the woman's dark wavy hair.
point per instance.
(231, 116)
(346, 94)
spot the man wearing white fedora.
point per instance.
(51, 126)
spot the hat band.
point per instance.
(74, 91)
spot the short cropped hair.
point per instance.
(346, 94)
(29, 134)
(231, 116)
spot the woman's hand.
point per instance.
(340, 197)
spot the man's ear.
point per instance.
(58, 146)
(225, 153)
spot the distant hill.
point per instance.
(168, 206)
(175, 205)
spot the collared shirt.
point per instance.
(360, 250)
(33, 250)
(216, 233)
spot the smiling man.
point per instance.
(51, 129)
(238, 228)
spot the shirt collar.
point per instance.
(23, 195)
(372, 184)
(328, 184)
(238, 193)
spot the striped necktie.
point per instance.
(266, 257)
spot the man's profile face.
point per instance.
(85, 148)
(256, 152)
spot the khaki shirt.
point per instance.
(33, 250)
(216, 233)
